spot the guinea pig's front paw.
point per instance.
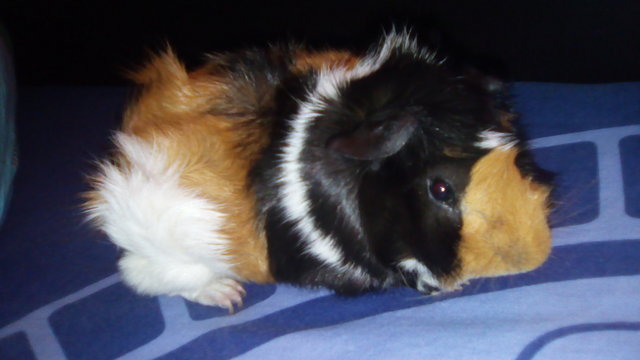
(427, 289)
(225, 293)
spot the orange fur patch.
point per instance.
(203, 121)
(505, 226)
(308, 61)
(173, 110)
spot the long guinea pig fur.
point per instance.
(330, 169)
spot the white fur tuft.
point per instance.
(405, 42)
(490, 139)
(170, 235)
(332, 80)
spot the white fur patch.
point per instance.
(490, 139)
(425, 276)
(170, 235)
(332, 80)
(294, 195)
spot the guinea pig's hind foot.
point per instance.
(225, 293)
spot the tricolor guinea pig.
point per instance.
(320, 169)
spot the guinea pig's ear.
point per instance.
(374, 140)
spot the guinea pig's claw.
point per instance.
(225, 293)
(240, 289)
(430, 291)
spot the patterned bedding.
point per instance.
(61, 299)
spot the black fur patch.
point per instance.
(377, 204)
(253, 78)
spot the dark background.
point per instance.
(93, 42)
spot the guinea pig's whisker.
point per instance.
(404, 279)
(490, 283)
(552, 256)
(568, 199)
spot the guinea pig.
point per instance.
(319, 169)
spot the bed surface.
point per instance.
(61, 299)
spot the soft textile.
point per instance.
(60, 297)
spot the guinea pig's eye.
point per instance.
(441, 190)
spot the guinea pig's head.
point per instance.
(443, 187)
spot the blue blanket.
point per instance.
(61, 299)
